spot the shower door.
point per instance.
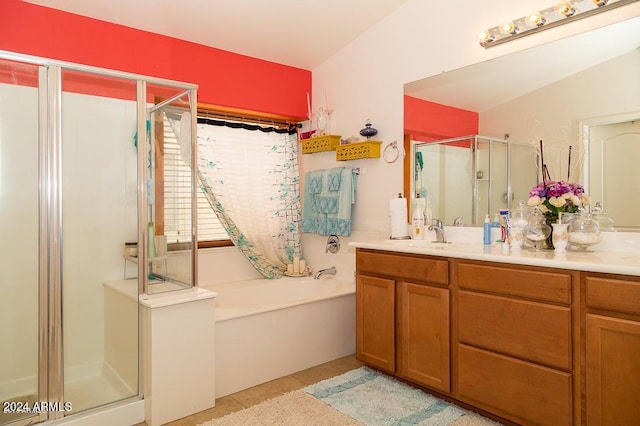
(98, 204)
(20, 334)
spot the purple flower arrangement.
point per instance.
(553, 197)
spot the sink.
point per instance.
(434, 245)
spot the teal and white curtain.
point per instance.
(251, 179)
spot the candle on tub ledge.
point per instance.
(303, 266)
(296, 265)
(290, 268)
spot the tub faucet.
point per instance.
(326, 271)
(438, 227)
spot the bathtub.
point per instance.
(267, 329)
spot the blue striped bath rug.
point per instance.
(376, 399)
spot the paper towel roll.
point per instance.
(398, 214)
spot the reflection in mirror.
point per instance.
(471, 176)
(613, 151)
(554, 93)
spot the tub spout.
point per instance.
(327, 271)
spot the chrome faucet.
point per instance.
(438, 227)
(326, 271)
(458, 221)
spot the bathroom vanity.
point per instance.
(531, 337)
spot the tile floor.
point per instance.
(257, 394)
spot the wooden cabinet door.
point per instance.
(423, 334)
(375, 322)
(613, 371)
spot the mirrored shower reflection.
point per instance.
(472, 176)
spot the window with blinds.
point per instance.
(177, 198)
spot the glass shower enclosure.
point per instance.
(82, 220)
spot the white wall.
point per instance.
(365, 81)
(554, 113)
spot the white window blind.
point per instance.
(177, 198)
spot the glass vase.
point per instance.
(560, 237)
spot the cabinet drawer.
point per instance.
(520, 391)
(538, 285)
(402, 266)
(521, 328)
(616, 295)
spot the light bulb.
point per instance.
(536, 19)
(508, 28)
(485, 37)
(600, 2)
(565, 8)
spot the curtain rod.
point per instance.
(243, 124)
(217, 115)
(222, 112)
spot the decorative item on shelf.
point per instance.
(320, 143)
(556, 197)
(322, 121)
(355, 151)
(605, 223)
(583, 232)
(537, 231)
(560, 237)
(368, 131)
(518, 221)
(307, 135)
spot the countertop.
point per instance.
(597, 260)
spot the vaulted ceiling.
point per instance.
(300, 33)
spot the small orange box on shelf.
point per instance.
(320, 143)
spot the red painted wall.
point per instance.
(224, 78)
(428, 121)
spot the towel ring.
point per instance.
(390, 156)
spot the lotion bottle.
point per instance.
(417, 220)
(486, 230)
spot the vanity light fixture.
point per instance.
(563, 12)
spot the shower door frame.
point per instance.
(50, 333)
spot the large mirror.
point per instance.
(580, 96)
